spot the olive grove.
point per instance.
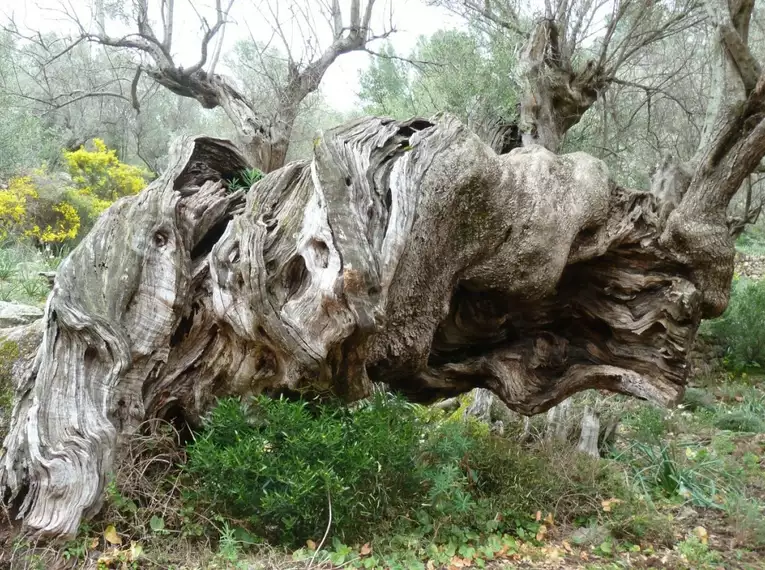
(408, 252)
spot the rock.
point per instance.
(750, 266)
(49, 275)
(18, 349)
(14, 314)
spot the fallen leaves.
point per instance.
(111, 536)
(118, 558)
(607, 504)
(458, 562)
(702, 534)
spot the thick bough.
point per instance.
(406, 252)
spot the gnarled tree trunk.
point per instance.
(406, 252)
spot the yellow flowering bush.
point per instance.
(13, 204)
(66, 227)
(51, 209)
(99, 175)
(23, 212)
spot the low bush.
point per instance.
(747, 520)
(740, 328)
(389, 468)
(245, 179)
(58, 207)
(696, 399)
(740, 420)
(279, 465)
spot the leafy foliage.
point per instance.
(740, 328)
(278, 465)
(24, 212)
(465, 73)
(245, 180)
(99, 178)
(13, 205)
(53, 209)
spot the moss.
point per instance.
(465, 401)
(9, 353)
(475, 216)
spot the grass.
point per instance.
(20, 267)
(752, 241)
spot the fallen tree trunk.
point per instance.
(407, 253)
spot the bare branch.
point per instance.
(210, 34)
(508, 20)
(418, 63)
(134, 90)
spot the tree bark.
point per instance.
(262, 141)
(407, 253)
(588, 438)
(554, 97)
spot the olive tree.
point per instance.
(405, 252)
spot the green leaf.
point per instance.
(245, 537)
(157, 524)
(301, 554)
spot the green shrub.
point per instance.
(746, 520)
(388, 468)
(245, 179)
(740, 420)
(696, 399)
(278, 464)
(698, 554)
(740, 328)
